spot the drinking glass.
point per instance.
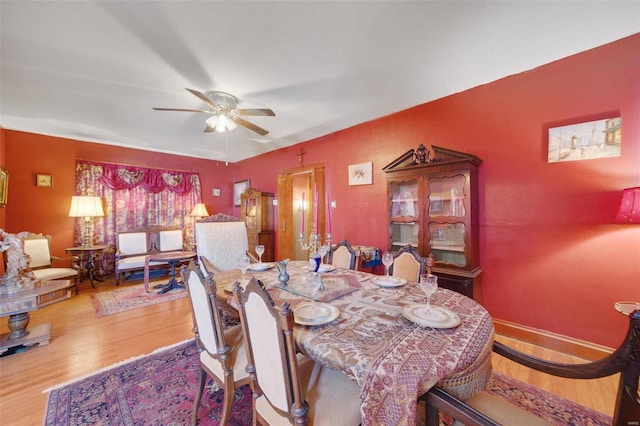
(428, 284)
(243, 264)
(260, 252)
(323, 252)
(387, 259)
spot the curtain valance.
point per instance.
(116, 176)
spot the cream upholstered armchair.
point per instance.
(288, 387)
(408, 264)
(38, 247)
(222, 239)
(223, 356)
(343, 256)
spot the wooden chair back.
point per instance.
(271, 351)
(343, 256)
(408, 264)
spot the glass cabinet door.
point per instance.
(447, 216)
(404, 212)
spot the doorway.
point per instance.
(296, 203)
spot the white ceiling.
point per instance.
(92, 70)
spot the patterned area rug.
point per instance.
(157, 389)
(131, 297)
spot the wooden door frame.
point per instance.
(287, 235)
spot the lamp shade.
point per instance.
(85, 206)
(199, 210)
(629, 212)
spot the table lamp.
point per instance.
(87, 207)
(629, 212)
(200, 210)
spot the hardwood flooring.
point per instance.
(81, 344)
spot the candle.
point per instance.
(315, 208)
(328, 215)
(302, 215)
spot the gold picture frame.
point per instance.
(44, 180)
(4, 186)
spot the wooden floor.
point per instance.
(82, 344)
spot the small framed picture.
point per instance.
(238, 190)
(361, 174)
(4, 186)
(44, 180)
(586, 140)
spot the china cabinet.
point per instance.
(433, 206)
(257, 212)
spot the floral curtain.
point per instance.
(134, 198)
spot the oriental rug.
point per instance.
(159, 389)
(131, 297)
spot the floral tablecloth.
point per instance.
(392, 360)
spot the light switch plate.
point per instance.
(216, 192)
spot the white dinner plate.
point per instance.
(437, 317)
(315, 313)
(384, 281)
(260, 266)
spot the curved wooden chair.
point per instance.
(223, 356)
(289, 388)
(485, 409)
(408, 264)
(38, 248)
(343, 256)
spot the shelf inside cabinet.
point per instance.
(447, 247)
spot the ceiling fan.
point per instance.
(224, 115)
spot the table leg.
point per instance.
(92, 275)
(173, 282)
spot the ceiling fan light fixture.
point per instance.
(220, 122)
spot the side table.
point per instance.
(86, 254)
(17, 307)
(172, 258)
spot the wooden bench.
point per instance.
(132, 248)
(482, 410)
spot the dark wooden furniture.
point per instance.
(85, 261)
(257, 213)
(625, 360)
(433, 206)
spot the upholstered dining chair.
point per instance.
(343, 256)
(408, 264)
(41, 262)
(223, 356)
(289, 388)
(222, 239)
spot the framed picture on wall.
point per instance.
(238, 190)
(4, 186)
(585, 141)
(361, 174)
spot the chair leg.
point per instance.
(227, 403)
(196, 404)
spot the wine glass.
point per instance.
(260, 252)
(428, 284)
(244, 264)
(323, 252)
(313, 283)
(387, 259)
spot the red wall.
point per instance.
(552, 259)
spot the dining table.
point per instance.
(375, 338)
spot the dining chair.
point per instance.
(223, 356)
(289, 388)
(344, 256)
(223, 240)
(408, 264)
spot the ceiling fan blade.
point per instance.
(204, 98)
(209, 129)
(251, 126)
(181, 109)
(259, 111)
